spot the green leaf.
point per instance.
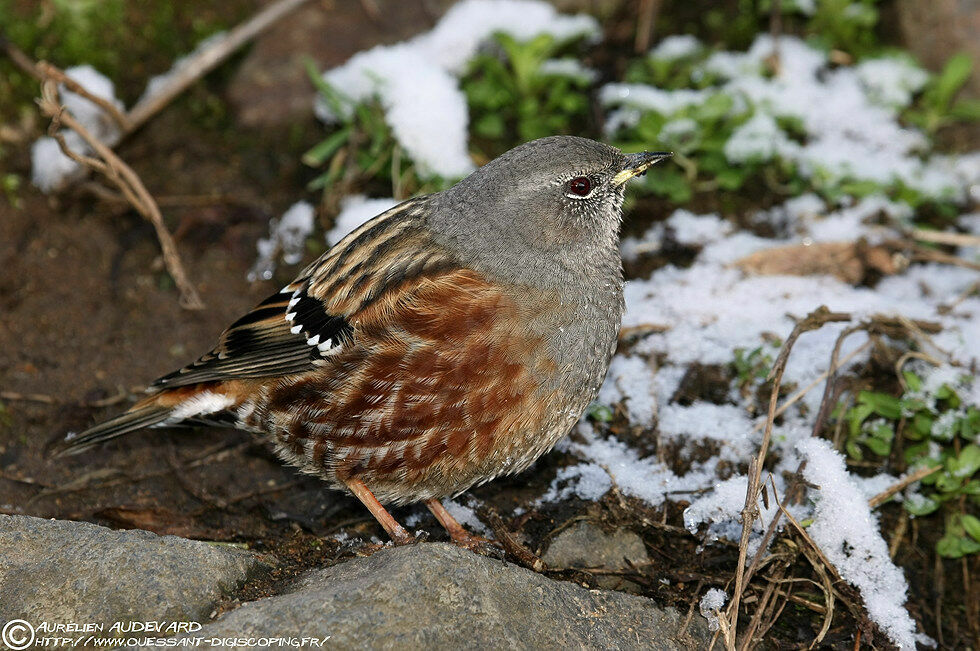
(971, 525)
(883, 404)
(921, 505)
(857, 415)
(336, 101)
(670, 183)
(955, 73)
(915, 452)
(325, 149)
(946, 482)
(966, 110)
(966, 462)
(879, 447)
(912, 380)
(922, 423)
(956, 546)
(600, 412)
(969, 425)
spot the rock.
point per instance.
(584, 545)
(61, 571)
(937, 30)
(435, 595)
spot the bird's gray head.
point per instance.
(556, 200)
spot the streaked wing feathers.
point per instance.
(294, 330)
(264, 343)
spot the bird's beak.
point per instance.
(638, 164)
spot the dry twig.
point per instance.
(206, 61)
(944, 237)
(901, 484)
(815, 320)
(123, 177)
(648, 12)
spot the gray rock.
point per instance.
(439, 596)
(60, 571)
(585, 545)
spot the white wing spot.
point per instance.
(290, 316)
(296, 329)
(314, 340)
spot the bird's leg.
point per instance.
(397, 532)
(457, 532)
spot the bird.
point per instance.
(450, 340)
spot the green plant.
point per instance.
(752, 366)
(847, 25)
(515, 96)
(599, 412)
(937, 106)
(361, 148)
(10, 184)
(938, 430)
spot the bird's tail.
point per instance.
(196, 404)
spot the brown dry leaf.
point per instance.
(847, 261)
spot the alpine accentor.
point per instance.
(449, 340)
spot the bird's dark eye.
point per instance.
(580, 185)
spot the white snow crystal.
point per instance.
(159, 82)
(758, 141)
(50, 168)
(354, 211)
(416, 81)
(466, 516)
(567, 68)
(697, 230)
(676, 47)
(847, 533)
(631, 378)
(287, 237)
(891, 81)
(711, 604)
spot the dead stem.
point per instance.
(793, 399)
(923, 254)
(901, 484)
(207, 60)
(647, 18)
(511, 545)
(15, 396)
(813, 321)
(944, 237)
(48, 71)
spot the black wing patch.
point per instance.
(289, 332)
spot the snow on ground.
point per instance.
(417, 80)
(702, 314)
(287, 239)
(847, 533)
(710, 605)
(50, 167)
(849, 113)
